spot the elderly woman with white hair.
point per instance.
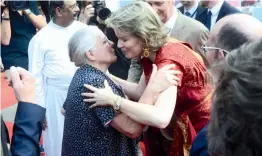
(99, 130)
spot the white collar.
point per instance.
(60, 27)
(172, 20)
(192, 9)
(215, 10)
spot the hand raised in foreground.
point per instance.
(24, 84)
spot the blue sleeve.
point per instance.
(27, 129)
(34, 8)
(105, 115)
(199, 146)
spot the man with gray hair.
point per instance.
(228, 34)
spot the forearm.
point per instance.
(5, 27)
(157, 115)
(38, 21)
(127, 126)
(146, 114)
(6, 32)
(149, 96)
(130, 89)
(142, 112)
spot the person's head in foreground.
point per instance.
(90, 46)
(236, 118)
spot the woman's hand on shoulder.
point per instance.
(100, 96)
(163, 78)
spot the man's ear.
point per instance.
(90, 55)
(58, 12)
(220, 54)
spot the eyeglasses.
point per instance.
(207, 49)
(73, 7)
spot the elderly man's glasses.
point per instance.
(207, 49)
(72, 6)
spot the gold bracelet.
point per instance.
(117, 104)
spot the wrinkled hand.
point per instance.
(24, 84)
(101, 96)
(163, 78)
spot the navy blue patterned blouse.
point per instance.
(86, 131)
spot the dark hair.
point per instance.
(54, 5)
(235, 127)
(45, 8)
(230, 38)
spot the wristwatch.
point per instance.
(28, 12)
(117, 104)
(3, 16)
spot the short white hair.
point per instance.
(81, 42)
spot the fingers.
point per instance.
(90, 95)
(94, 105)
(176, 78)
(98, 103)
(15, 77)
(89, 10)
(174, 72)
(8, 76)
(90, 100)
(24, 74)
(89, 7)
(90, 87)
(173, 82)
(168, 67)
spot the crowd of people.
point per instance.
(184, 81)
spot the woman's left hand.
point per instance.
(101, 96)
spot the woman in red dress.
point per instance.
(175, 115)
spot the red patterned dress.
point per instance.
(192, 109)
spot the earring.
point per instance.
(146, 52)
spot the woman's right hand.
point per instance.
(163, 78)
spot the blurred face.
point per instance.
(187, 3)
(69, 11)
(104, 52)
(184, 2)
(131, 45)
(204, 3)
(164, 8)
